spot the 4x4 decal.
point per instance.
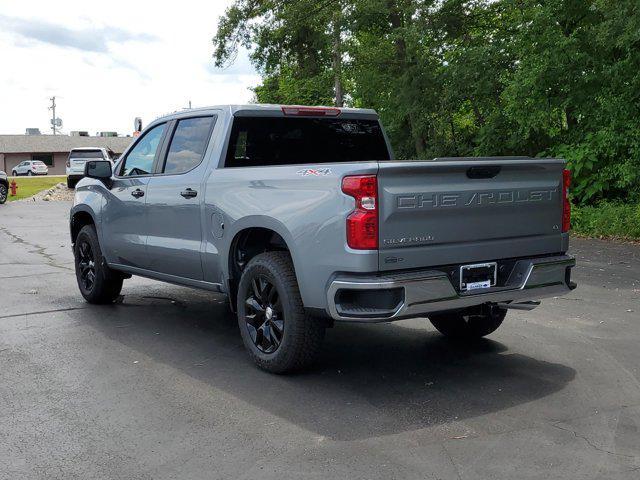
(316, 172)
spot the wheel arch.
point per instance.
(251, 237)
(80, 217)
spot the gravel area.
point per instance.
(57, 193)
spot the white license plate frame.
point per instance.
(478, 284)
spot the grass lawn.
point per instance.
(28, 186)
(607, 220)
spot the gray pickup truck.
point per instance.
(302, 217)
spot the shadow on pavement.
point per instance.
(371, 380)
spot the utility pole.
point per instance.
(189, 104)
(53, 115)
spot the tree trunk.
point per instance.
(397, 22)
(336, 61)
(572, 121)
(453, 136)
(419, 145)
(476, 111)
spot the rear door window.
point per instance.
(188, 144)
(139, 160)
(259, 141)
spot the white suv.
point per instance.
(30, 167)
(79, 156)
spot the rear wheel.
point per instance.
(474, 322)
(3, 193)
(97, 282)
(279, 336)
(71, 183)
(29, 173)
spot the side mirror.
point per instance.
(100, 170)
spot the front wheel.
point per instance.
(3, 193)
(97, 282)
(474, 322)
(277, 332)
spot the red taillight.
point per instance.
(566, 204)
(362, 223)
(300, 111)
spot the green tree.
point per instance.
(463, 77)
(296, 45)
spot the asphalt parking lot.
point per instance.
(159, 386)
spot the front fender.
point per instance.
(87, 201)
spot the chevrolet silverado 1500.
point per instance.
(303, 218)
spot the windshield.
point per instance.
(290, 141)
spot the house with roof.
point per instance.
(53, 150)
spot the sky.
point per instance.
(108, 62)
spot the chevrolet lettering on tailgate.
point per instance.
(435, 200)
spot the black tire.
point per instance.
(472, 323)
(29, 173)
(97, 282)
(71, 183)
(14, 173)
(4, 192)
(296, 335)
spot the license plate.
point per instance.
(478, 276)
(477, 285)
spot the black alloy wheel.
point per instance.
(87, 266)
(279, 335)
(264, 315)
(98, 284)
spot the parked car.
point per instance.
(77, 159)
(4, 187)
(302, 217)
(30, 167)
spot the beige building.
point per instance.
(53, 150)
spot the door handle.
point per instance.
(137, 193)
(483, 172)
(189, 193)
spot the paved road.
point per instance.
(160, 387)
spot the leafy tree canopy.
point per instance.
(463, 77)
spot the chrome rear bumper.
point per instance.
(427, 291)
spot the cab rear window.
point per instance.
(263, 141)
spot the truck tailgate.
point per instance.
(448, 211)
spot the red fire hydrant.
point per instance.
(14, 188)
